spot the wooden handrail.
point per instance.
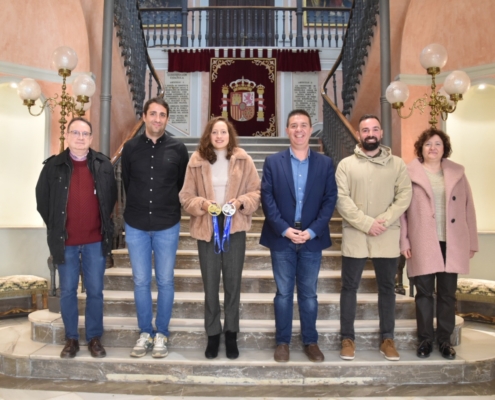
(342, 117)
(135, 130)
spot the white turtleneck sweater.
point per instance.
(220, 176)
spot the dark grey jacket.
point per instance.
(52, 192)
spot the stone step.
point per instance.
(48, 328)
(22, 357)
(252, 305)
(186, 242)
(253, 281)
(255, 259)
(335, 224)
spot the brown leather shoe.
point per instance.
(313, 352)
(281, 353)
(96, 349)
(70, 349)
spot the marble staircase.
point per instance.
(35, 352)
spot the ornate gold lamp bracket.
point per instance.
(83, 87)
(442, 102)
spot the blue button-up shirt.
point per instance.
(300, 176)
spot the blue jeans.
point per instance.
(93, 267)
(385, 271)
(164, 245)
(291, 267)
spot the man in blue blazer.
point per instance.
(298, 195)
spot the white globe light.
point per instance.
(64, 58)
(28, 89)
(397, 92)
(433, 55)
(457, 82)
(84, 85)
(443, 93)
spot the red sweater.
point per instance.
(83, 213)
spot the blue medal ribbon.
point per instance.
(217, 246)
(226, 235)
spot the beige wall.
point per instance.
(471, 129)
(466, 33)
(41, 27)
(464, 27)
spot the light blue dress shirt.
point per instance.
(300, 176)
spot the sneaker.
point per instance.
(160, 346)
(387, 348)
(348, 349)
(143, 345)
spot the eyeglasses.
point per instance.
(83, 134)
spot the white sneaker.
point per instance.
(160, 346)
(143, 345)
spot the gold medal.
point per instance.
(228, 209)
(214, 209)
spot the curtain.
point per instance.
(288, 60)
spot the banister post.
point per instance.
(299, 19)
(183, 38)
(385, 71)
(106, 77)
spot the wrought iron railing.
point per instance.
(338, 135)
(355, 49)
(237, 26)
(133, 48)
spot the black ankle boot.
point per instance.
(212, 348)
(231, 345)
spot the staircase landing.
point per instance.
(20, 356)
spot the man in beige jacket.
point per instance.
(374, 190)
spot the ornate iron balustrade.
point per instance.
(338, 137)
(237, 26)
(133, 49)
(355, 49)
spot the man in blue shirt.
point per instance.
(298, 195)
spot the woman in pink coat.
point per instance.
(438, 237)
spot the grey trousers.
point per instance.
(230, 264)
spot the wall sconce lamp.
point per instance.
(64, 60)
(432, 58)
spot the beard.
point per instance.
(370, 144)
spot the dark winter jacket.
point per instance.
(52, 191)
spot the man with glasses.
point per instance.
(153, 170)
(75, 195)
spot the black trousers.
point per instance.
(230, 265)
(446, 286)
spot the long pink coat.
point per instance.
(418, 225)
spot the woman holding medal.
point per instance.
(221, 192)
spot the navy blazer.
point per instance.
(279, 201)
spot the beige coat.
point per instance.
(372, 188)
(419, 228)
(243, 184)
